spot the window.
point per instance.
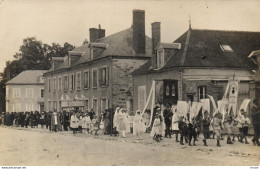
(29, 107)
(86, 79)
(202, 92)
(95, 105)
(86, 105)
(226, 48)
(160, 58)
(54, 106)
(65, 83)
(59, 83)
(104, 104)
(78, 80)
(141, 97)
(29, 93)
(7, 92)
(49, 85)
(42, 93)
(16, 107)
(72, 82)
(54, 84)
(16, 92)
(103, 75)
(94, 78)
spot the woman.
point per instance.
(74, 122)
(115, 120)
(122, 123)
(138, 125)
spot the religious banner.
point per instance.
(244, 105)
(213, 103)
(233, 95)
(182, 108)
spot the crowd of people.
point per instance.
(160, 123)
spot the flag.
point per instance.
(233, 95)
(182, 108)
(244, 105)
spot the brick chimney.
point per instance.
(139, 31)
(95, 34)
(156, 39)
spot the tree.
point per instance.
(32, 55)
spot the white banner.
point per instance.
(244, 105)
(182, 108)
(233, 95)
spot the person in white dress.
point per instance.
(175, 128)
(74, 122)
(123, 125)
(138, 125)
(115, 120)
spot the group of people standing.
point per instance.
(169, 122)
(162, 123)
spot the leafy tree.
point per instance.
(32, 55)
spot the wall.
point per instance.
(89, 94)
(123, 88)
(23, 100)
(146, 80)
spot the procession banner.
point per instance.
(205, 105)
(222, 106)
(233, 95)
(195, 108)
(244, 105)
(213, 103)
(182, 108)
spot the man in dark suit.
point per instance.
(167, 114)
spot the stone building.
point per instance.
(197, 64)
(25, 92)
(97, 75)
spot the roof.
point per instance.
(27, 77)
(204, 51)
(118, 44)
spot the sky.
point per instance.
(69, 21)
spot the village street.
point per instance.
(26, 147)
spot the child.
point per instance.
(235, 129)
(94, 125)
(138, 125)
(206, 123)
(156, 128)
(217, 126)
(182, 128)
(175, 128)
(245, 121)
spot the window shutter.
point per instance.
(100, 73)
(107, 76)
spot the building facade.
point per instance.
(98, 75)
(25, 92)
(199, 63)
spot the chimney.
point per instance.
(139, 31)
(156, 39)
(95, 34)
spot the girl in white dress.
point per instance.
(138, 125)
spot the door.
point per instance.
(170, 92)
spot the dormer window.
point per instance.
(160, 58)
(226, 48)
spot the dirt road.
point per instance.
(27, 147)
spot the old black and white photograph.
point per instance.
(129, 83)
